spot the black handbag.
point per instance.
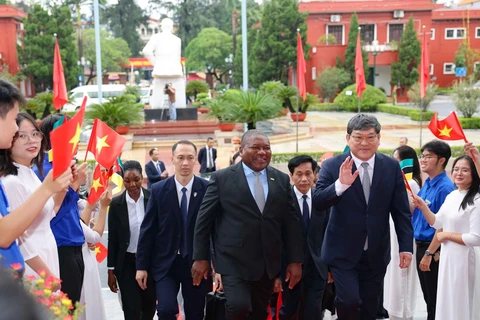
(215, 306)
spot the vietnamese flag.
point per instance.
(301, 68)
(64, 140)
(60, 96)
(101, 252)
(360, 83)
(424, 68)
(448, 128)
(105, 144)
(99, 185)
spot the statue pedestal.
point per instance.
(158, 98)
(303, 127)
(224, 138)
(129, 144)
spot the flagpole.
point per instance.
(296, 139)
(98, 54)
(421, 119)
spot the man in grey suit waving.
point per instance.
(248, 208)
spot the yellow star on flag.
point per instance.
(101, 142)
(96, 184)
(445, 131)
(76, 138)
(97, 250)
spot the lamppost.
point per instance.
(229, 62)
(375, 48)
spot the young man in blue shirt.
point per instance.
(433, 161)
(13, 224)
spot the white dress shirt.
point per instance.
(188, 193)
(136, 213)
(299, 196)
(341, 188)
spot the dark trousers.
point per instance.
(304, 301)
(358, 290)
(247, 299)
(71, 264)
(193, 296)
(137, 304)
(428, 280)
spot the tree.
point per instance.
(466, 56)
(405, 70)
(330, 81)
(414, 96)
(466, 98)
(38, 46)
(195, 87)
(115, 52)
(123, 19)
(275, 48)
(208, 52)
(349, 63)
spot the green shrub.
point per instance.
(414, 114)
(470, 123)
(327, 106)
(371, 97)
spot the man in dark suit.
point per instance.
(362, 187)
(207, 156)
(124, 219)
(305, 300)
(165, 247)
(247, 210)
(155, 169)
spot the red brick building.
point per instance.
(384, 21)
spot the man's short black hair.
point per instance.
(9, 95)
(174, 147)
(298, 160)
(363, 121)
(132, 165)
(151, 151)
(250, 134)
(209, 138)
(440, 148)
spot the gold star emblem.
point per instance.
(445, 131)
(97, 250)
(75, 138)
(96, 184)
(101, 142)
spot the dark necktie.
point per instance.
(366, 191)
(184, 211)
(305, 211)
(158, 168)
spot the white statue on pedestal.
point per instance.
(163, 50)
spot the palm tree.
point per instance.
(251, 107)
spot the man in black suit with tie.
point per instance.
(248, 209)
(155, 169)
(363, 188)
(305, 300)
(207, 156)
(165, 246)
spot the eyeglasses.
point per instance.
(426, 157)
(368, 139)
(25, 138)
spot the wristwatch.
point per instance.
(428, 253)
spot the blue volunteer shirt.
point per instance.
(11, 255)
(66, 225)
(433, 192)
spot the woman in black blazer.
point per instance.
(124, 220)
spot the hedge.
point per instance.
(285, 157)
(371, 97)
(470, 123)
(327, 106)
(414, 114)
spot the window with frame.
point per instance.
(476, 65)
(395, 32)
(367, 33)
(455, 33)
(314, 73)
(432, 34)
(449, 68)
(337, 32)
(430, 70)
(477, 32)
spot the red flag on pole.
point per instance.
(448, 128)
(60, 96)
(424, 67)
(301, 68)
(360, 83)
(64, 140)
(105, 144)
(101, 252)
(99, 185)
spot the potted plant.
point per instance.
(251, 107)
(281, 92)
(221, 109)
(119, 113)
(201, 102)
(194, 87)
(302, 106)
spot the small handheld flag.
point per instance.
(448, 128)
